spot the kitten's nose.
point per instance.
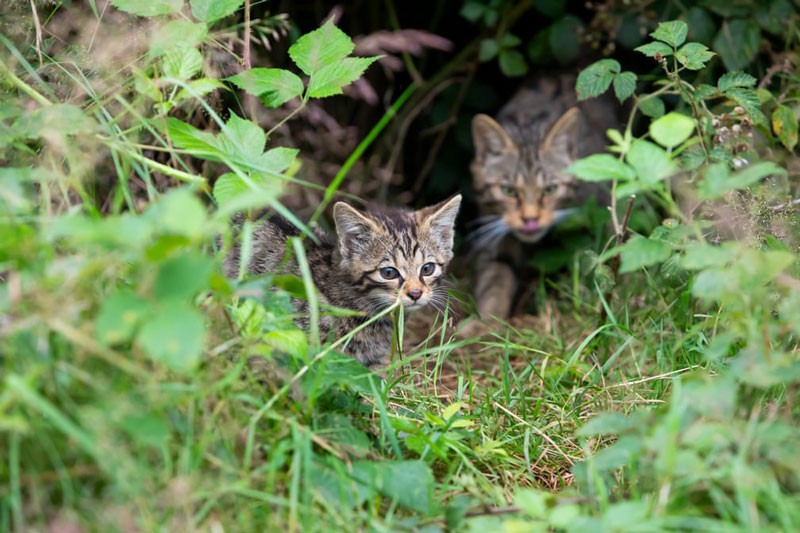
(415, 294)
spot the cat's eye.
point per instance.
(389, 273)
(427, 269)
(550, 188)
(508, 190)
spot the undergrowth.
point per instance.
(142, 390)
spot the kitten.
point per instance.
(373, 257)
(519, 180)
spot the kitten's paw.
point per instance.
(471, 328)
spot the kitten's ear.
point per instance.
(353, 228)
(560, 145)
(489, 137)
(439, 220)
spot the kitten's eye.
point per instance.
(389, 273)
(550, 188)
(427, 269)
(508, 190)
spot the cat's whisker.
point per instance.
(561, 214)
(480, 221)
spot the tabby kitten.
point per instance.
(373, 257)
(519, 180)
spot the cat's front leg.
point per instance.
(494, 292)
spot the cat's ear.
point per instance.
(439, 220)
(560, 145)
(489, 138)
(353, 229)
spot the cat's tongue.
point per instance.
(530, 226)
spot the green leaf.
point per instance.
(242, 139)
(672, 129)
(748, 99)
(119, 316)
(719, 181)
(175, 34)
(174, 337)
(735, 79)
(13, 184)
(277, 160)
(182, 62)
(776, 18)
(199, 88)
(274, 86)
(673, 32)
(512, 63)
(321, 48)
(410, 483)
(601, 167)
(329, 80)
(488, 50)
(149, 8)
(563, 38)
(737, 43)
(652, 163)
(290, 341)
(705, 91)
(56, 121)
(210, 10)
(784, 124)
(186, 136)
(640, 252)
(231, 190)
(694, 56)
(652, 107)
(595, 79)
(655, 48)
(178, 212)
(607, 424)
(183, 276)
(624, 85)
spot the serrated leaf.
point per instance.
(150, 8)
(705, 91)
(694, 56)
(673, 32)
(640, 252)
(652, 107)
(718, 180)
(784, 125)
(748, 99)
(672, 129)
(182, 62)
(329, 80)
(652, 163)
(243, 139)
(198, 88)
(655, 48)
(321, 48)
(230, 189)
(177, 212)
(274, 86)
(512, 63)
(451, 410)
(176, 33)
(735, 79)
(210, 10)
(174, 337)
(186, 136)
(737, 43)
(119, 316)
(410, 483)
(601, 167)
(277, 159)
(595, 79)
(624, 85)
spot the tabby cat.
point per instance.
(519, 180)
(373, 256)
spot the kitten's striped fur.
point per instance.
(373, 256)
(518, 178)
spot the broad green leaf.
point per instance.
(488, 50)
(512, 63)
(242, 139)
(784, 124)
(563, 38)
(716, 283)
(718, 180)
(704, 255)
(57, 120)
(735, 79)
(290, 341)
(640, 252)
(673, 32)
(672, 129)
(277, 160)
(182, 62)
(230, 190)
(148, 8)
(410, 483)
(737, 43)
(176, 33)
(451, 410)
(619, 454)
(174, 337)
(199, 88)
(183, 276)
(533, 503)
(651, 163)
(601, 167)
(654, 49)
(178, 212)
(607, 424)
(186, 136)
(595, 79)
(321, 48)
(694, 56)
(329, 80)
(705, 91)
(652, 107)
(701, 24)
(210, 10)
(274, 86)
(119, 316)
(775, 17)
(13, 184)
(748, 99)
(146, 428)
(624, 85)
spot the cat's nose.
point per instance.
(415, 294)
